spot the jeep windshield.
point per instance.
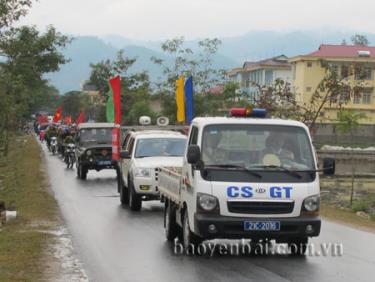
(157, 147)
(96, 136)
(276, 152)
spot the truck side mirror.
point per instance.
(125, 155)
(329, 166)
(193, 154)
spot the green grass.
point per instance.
(348, 217)
(24, 188)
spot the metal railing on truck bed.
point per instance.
(169, 181)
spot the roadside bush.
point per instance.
(360, 206)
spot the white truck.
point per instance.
(143, 152)
(252, 178)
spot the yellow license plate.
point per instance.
(144, 187)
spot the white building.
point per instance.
(262, 73)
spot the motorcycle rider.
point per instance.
(69, 139)
(51, 132)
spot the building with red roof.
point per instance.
(354, 65)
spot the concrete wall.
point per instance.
(328, 133)
(363, 161)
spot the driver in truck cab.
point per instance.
(277, 144)
(212, 153)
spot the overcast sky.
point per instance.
(161, 19)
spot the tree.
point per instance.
(45, 97)
(348, 122)
(279, 100)
(334, 90)
(102, 71)
(26, 56)
(134, 87)
(184, 61)
(359, 39)
(72, 103)
(12, 10)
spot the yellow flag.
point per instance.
(180, 98)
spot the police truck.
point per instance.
(244, 176)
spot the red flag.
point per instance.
(116, 90)
(80, 118)
(57, 116)
(68, 120)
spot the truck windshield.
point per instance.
(96, 135)
(258, 147)
(155, 147)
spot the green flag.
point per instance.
(110, 111)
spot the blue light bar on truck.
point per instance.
(248, 112)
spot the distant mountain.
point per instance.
(86, 50)
(82, 51)
(233, 52)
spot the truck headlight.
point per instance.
(311, 204)
(143, 172)
(207, 202)
(88, 152)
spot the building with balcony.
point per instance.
(354, 65)
(261, 73)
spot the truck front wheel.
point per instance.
(170, 226)
(135, 201)
(190, 240)
(82, 172)
(124, 194)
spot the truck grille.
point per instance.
(255, 207)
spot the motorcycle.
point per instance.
(70, 156)
(53, 145)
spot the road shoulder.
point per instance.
(35, 246)
(347, 217)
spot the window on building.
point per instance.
(367, 96)
(309, 64)
(344, 71)
(308, 89)
(335, 69)
(268, 77)
(357, 98)
(294, 71)
(345, 95)
(363, 73)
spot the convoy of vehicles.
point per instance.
(94, 148)
(244, 178)
(230, 178)
(143, 153)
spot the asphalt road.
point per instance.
(116, 244)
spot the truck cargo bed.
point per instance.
(169, 183)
